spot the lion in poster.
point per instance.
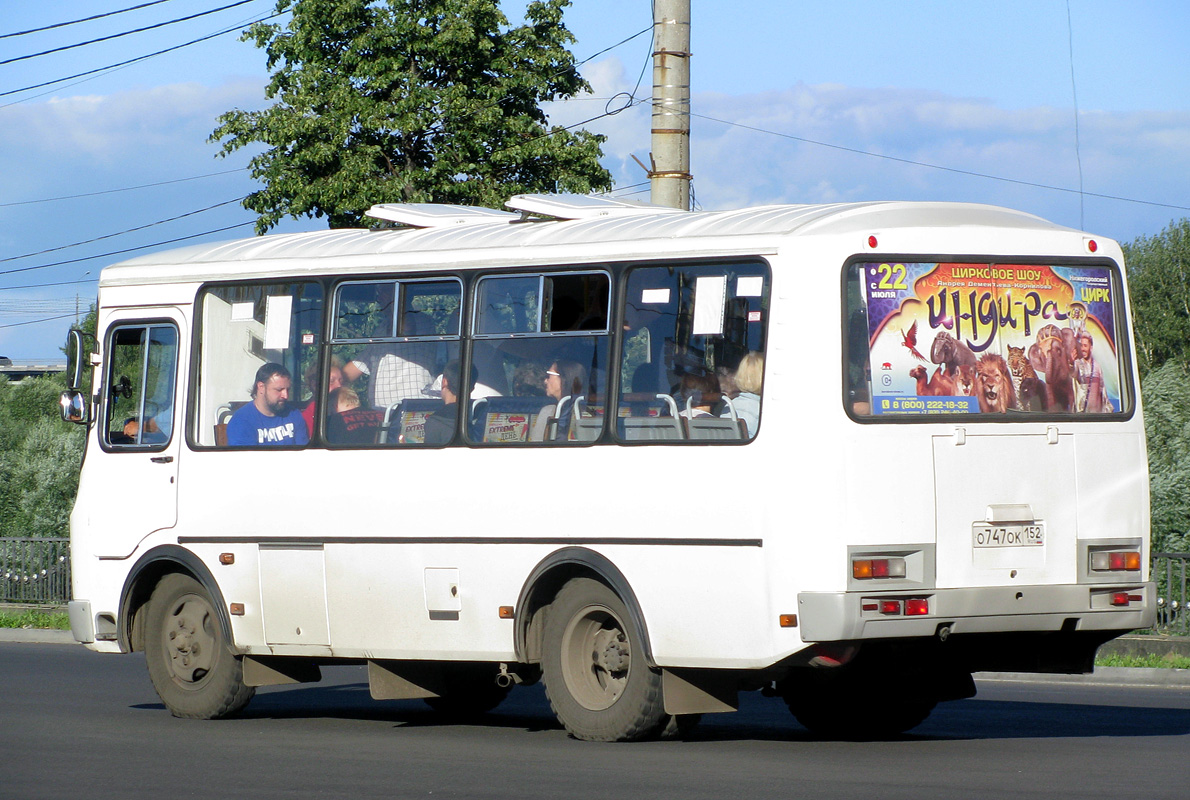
(993, 384)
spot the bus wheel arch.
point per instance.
(149, 570)
(547, 579)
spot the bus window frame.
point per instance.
(195, 373)
(1122, 318)
(601, 269)
(331, 319)
(103, 419)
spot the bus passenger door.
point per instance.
(139, 420)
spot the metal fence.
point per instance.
(35, 571)
(1169, 571)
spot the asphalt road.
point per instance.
(74, 724)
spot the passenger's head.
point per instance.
(334, 376)
(701, 387)
(344, 399)
(270, 390)
(564, 378)
(528, 379)
(749, 376)
(452, 378)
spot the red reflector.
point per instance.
(1119, 598)
(1136, 598)
(917, 607)
(1092, 245)
(872, 242)
(890, 606)
(870, 606)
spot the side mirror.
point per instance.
(74, 406)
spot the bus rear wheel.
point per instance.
(594, 670)
(189, 658)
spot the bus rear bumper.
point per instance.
(850, 616)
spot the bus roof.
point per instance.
(491, 232)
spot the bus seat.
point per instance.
(648, 420)
(586, 421)
(504, 419)
(721, 428)
(405, 421)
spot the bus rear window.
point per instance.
(937, 338)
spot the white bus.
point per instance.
(846, 455)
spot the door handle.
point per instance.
(161, 459)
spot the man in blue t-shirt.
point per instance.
(268, 420)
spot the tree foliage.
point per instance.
(435, 101)
(1159, 287)
(39, 459)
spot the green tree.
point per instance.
(39, 459)
(435, 101)
(1166, 392)
(1159, 287)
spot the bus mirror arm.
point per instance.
(74, 401)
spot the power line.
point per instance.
(129, 61)
(124, 33)
(36, 321)
(124, 189)
(84, 19)
(121, 233)
(47, 285)
(955, 170)
(126, 250)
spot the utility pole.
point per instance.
(670, 172)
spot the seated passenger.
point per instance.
(333, 381)
(565, 378)
(440, 425)
(269, 419)
(702, 390)
(348, 423)
(749, 378)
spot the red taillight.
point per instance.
(890, 606)
(917, 607)
(1123, 598)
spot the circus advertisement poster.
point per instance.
(956, 338)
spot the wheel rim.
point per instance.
(596, 657)
(190, 639)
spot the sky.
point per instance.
(1075, 110)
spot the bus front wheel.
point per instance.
(594, 669)
(189, 658)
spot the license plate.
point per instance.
(1008, 535)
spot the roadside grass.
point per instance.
(1169, 661)
(34, 618)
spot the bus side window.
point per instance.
(393, 340)
(693, 356)
(540, 353)
(141, 371)
(242, 328)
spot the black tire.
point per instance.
(593, 665)
(846, 706)
(469, 690)
(189, 658)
